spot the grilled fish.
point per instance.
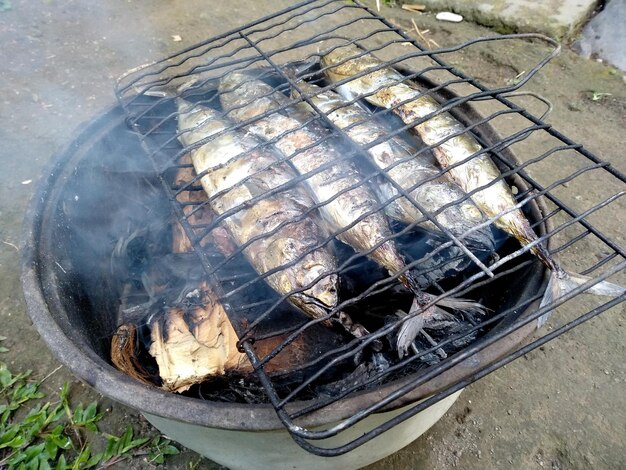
(343, 196)
(233, 171)
(242, 96)
(384, 87)
(417, 176)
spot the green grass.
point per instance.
(595, 95)
(38, 434)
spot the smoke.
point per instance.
(114, 247)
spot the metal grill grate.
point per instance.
(283, 50)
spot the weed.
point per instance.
(52, 435)
(598, 95)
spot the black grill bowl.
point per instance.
(73, 308)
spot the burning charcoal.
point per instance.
(465, 340)
(379, 362)
(231, 389)
(443, 325)
(441, 321)
(358, 377)
(430, 359)
(439, 351)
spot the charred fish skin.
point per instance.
(418, 176)
(340, 190)
(387, 88)
(233, 166)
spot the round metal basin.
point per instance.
(72, 312)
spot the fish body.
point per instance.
(340, 189)
(416, 175)
(387, 88)
(233, 171)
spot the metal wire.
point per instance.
(308, 30)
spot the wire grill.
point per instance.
(564, 222)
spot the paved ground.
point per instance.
(561, 407)
(556, 18)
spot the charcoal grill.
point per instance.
(297, 35)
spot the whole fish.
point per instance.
(385, 88)
(344, 196)
(416, 175)
(233, 171)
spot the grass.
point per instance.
(38, 434)
(598, 95)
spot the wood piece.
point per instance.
(415, 8)
(193, 344)
(124, 353)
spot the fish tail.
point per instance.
(169, 90)
(455, 303)
(355, 329)
(414, 326)
(562, 282)
(462, 305)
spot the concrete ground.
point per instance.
(563, 406)
(556, 18)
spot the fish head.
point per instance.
(314, 270)
(481, 240)
(245, 96)
(320, 299)
(342, 62)
(196, 122)
(348, 61)
(325, 289)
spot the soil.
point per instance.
(563, 406)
